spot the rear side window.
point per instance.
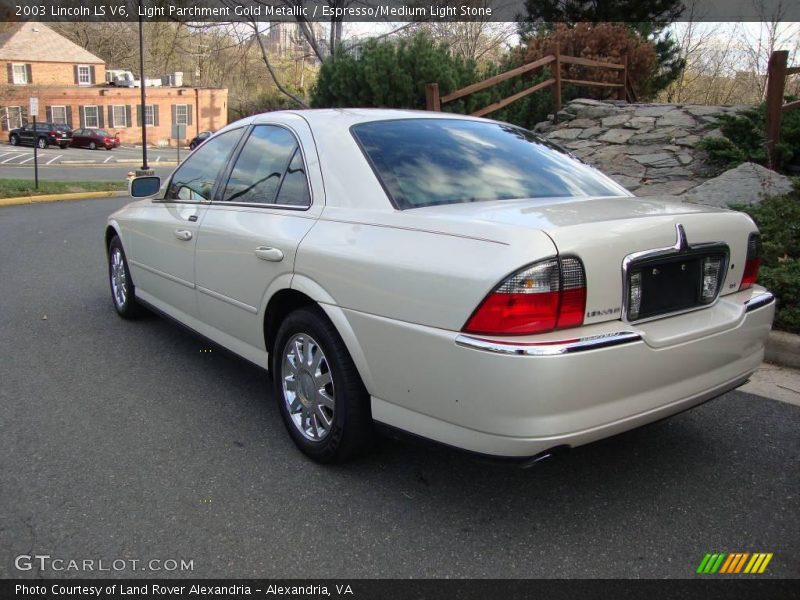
(195, 178)
(424, 162)
(269, 170)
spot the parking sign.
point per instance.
(33, 109)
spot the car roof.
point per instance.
(341, 119)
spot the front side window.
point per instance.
(20, 74)
(118, 116)
(91, 116)
(269, 170)
(84, 75)
(58, 114)
(194, 180)
(424, 162)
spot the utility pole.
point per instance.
(145, 166)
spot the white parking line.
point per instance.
(16, 156)
(4, 154)
(108, 159)
(158, 158)
(54, 159)
(26, 160)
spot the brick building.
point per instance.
(70, 84)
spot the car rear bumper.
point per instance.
(519, 397)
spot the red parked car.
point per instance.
(94, 138)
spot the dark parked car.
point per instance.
(200, 138)
(94, 138)
(46, 134)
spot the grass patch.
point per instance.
(11, 188)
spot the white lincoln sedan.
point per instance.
(457, 278)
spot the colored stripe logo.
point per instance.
(734, 563)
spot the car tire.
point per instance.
(329, 427)
(92, 146)
(14, 140)
(63, 146)
(42, 143)
(192, 146)
(123, 292)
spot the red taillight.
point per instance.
(752, 263)
(546, 296)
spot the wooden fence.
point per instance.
(623, 85)
(777, 72)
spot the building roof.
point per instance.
(36, 42)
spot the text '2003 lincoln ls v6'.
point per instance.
(457, 278)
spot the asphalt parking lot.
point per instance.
(54, 156)
(138, 440)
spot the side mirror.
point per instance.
(142, 187)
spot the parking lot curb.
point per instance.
(59, 197)
(783, 349)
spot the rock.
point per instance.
(579, 144)
(564, 134)
(641, 123)
(684, 158)
(653, 111)
(636, 149)
(662, 173)
(615, 121)
(703, 111)
(564, 115)
(597, 112)
(583, 123)
(616, 136)
(657, 159)
(714, 134)
(591, 132)
(672, 188)
(676, 118)
(630, 183)
(587, 102)
(656, 137)
(748, 183)
(689, 141)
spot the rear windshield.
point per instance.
(423, 162)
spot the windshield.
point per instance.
(422, 162)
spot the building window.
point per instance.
(84, 75)
(181, 114)
(14, 116)
(118, 116)
(58, 114)
(20, 73)
(91, 116)
(149, 111)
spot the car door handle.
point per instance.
(271, 254)
(183, 235)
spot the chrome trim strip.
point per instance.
(183, 282)
(556, 348)
(228, 299)
(759, 301)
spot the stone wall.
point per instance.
(648, 148)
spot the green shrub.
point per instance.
(393, 74)
(778, 219)
(745, 138)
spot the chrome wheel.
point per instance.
(307, 387)
(119, 281)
